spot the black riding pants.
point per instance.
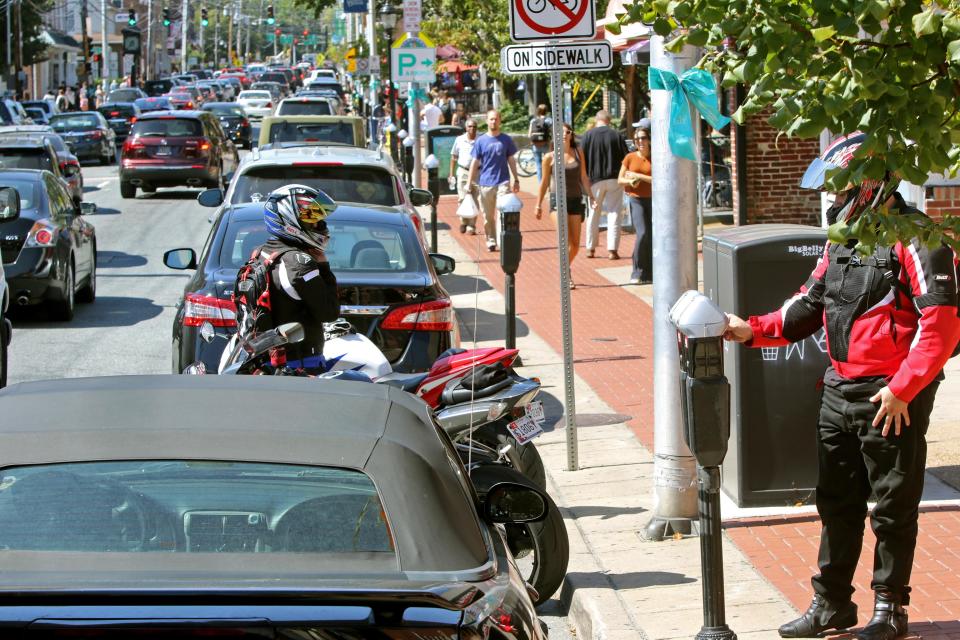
(855, 462)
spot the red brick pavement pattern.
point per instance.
(620, 371)
(613, 339)
(784, 550)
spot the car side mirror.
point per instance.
(210, 198)
(180, 259)
(9, 204)
(442, 264)
(88, 208)
(421, 197)
(508, 502)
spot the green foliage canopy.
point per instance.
(890, 68)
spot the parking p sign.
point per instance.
(552, 19)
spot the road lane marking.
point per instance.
(103, 184)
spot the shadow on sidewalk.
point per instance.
(605, 513)
(489, 326)
(632, 580)
(456, 284)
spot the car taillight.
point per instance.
(204, 145)
(269, 105)
(198, 308)
(132, 148)
(95, 135)
(41, 234)
(189, 105)
(436, 315)
(114, 113)
(132, 119)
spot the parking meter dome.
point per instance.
(431, 162)
(402, 134)
(408, 141)
(697, 316)
(509, 203)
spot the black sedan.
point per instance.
(50, 251)
(120, 116)
(389, 288)
(250, 507)
(233, 121)
(87, 134)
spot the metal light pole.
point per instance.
(216, 38)
(104, 50)
(675, 270)
(85, 42)
(148, 72)
(184, 23)
(388, 17)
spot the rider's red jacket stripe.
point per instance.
(872, 328)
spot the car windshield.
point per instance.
(225, 110)
(153, 104)
(336, 132)
(124, 95)
(28, 195)
(168, 127)
(74, 122)
(24, 159)
(254, 95)
(354, 247)
(157, 87)
(35, 113)
(202, 507)
(115, 111)
(305, 108)
(369, 185)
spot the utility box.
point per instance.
(775, 395)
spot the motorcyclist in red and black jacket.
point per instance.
(891, 323)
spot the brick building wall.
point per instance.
(774, 169)
(942, 200)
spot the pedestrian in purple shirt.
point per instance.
(493, 161)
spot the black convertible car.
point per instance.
(248, 507)
(388, 285)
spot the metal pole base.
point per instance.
(659, 529)
(716, 633)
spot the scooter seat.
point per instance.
(404, 381)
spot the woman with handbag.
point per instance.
(578, 185)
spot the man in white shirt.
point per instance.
(460, 157)
(430, 116)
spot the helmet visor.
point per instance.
(815, 175)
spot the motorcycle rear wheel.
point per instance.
(523, 457)
(542, 551)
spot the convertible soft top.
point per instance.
(380, 430)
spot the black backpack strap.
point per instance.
(889, 265)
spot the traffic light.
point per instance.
(166, 16)
(270, 18)
(96, 57)
(277, 32)
(306, 32)
(132, 18)
(204, 20)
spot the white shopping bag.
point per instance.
(467, 209)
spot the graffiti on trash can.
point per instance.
(795, 349)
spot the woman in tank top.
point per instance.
(577, 186)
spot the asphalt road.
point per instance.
(127, 330)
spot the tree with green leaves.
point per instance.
(889, 68)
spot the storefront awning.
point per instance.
(54, 38)
(629, 34)
(455, 66)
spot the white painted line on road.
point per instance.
(103, 184)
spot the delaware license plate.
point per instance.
(524, 429)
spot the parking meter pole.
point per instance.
(511, 247)
(675, 271)
(560, 188)
(705, 405)
(415, 132)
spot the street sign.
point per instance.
(413, 59)
(595, 55)
(362, 66)
(412, 16)
(552, 19)
(351, 59)
(354, 6)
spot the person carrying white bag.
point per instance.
(460, 158)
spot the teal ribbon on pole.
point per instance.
(696, 86)
(416, 94)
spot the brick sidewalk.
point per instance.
(613, 347)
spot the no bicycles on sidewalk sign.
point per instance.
(551, 19)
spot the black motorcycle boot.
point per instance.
(821, 616)
(889, 619)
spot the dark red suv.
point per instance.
(173, 148)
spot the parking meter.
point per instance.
(511, 246)
(705, 401)
(431, 164)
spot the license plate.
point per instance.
(524, 429)
(535, 411)
(164, 151)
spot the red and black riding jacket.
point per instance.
(892, 314)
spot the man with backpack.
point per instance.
(288, 279)
(891, 323)
(540, 133)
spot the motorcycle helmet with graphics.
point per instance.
(296, 214)
(853, 200)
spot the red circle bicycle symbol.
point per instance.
(573, 19)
